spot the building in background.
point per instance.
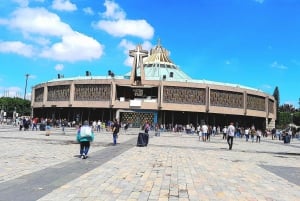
(156, 90)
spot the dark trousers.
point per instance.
(84, 147)
(230, 141)
(34, 126)
(224, 136)
(115, 137)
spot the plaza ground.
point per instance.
(174, 166)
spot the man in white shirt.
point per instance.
(230, 135)
(204, 129)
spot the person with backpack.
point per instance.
(85, 135)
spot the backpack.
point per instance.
(85, 131)
(116, 128)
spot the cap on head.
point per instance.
(86, 123)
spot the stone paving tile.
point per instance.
(171, 167)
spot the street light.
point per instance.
(27, 75)
(1, 114)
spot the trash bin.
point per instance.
(143, 139)
(42, 127)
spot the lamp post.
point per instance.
(27, 75)
(1, 115)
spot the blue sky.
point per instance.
(254, 43)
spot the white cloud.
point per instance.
(37, 39)
(16, 47)
(59, 67)
(88, 10)
(4, 21)
(38, 21)
(128, 45)
(117, 24)
(63, 5)
(74, 47)
(43, 27)
(121, 28)
(275, 64)
(11, 92)
(147, 45)
(113, 11)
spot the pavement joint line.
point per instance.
(37, 184)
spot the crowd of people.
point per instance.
(204, 131)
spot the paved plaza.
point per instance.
(174, 166)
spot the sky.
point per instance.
(254, 43)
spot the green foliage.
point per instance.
(277, 98)
(276, 95)
(284, 118)
(23, 107)
(286, 108)
(296, 118)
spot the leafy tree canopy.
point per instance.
(21, 106)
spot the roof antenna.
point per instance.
(158, 42)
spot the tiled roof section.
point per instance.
(158, 54)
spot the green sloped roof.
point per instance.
(158, 64)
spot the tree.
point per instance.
(296, 118)
(9, 105)
(284, 119)
(287, 108)
(277, 98)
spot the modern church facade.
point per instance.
(157, 91)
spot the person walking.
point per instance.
(48, 127)
(247, 130)
(64, 123)
(85, 135)
(34, 123)
(273, 132)
(252, 134)
(147, 127)
(224, 132)
(199, 131)
(116, 128)
(258, 135)
(230, 135)
(204, 130)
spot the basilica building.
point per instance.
(155, 90)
